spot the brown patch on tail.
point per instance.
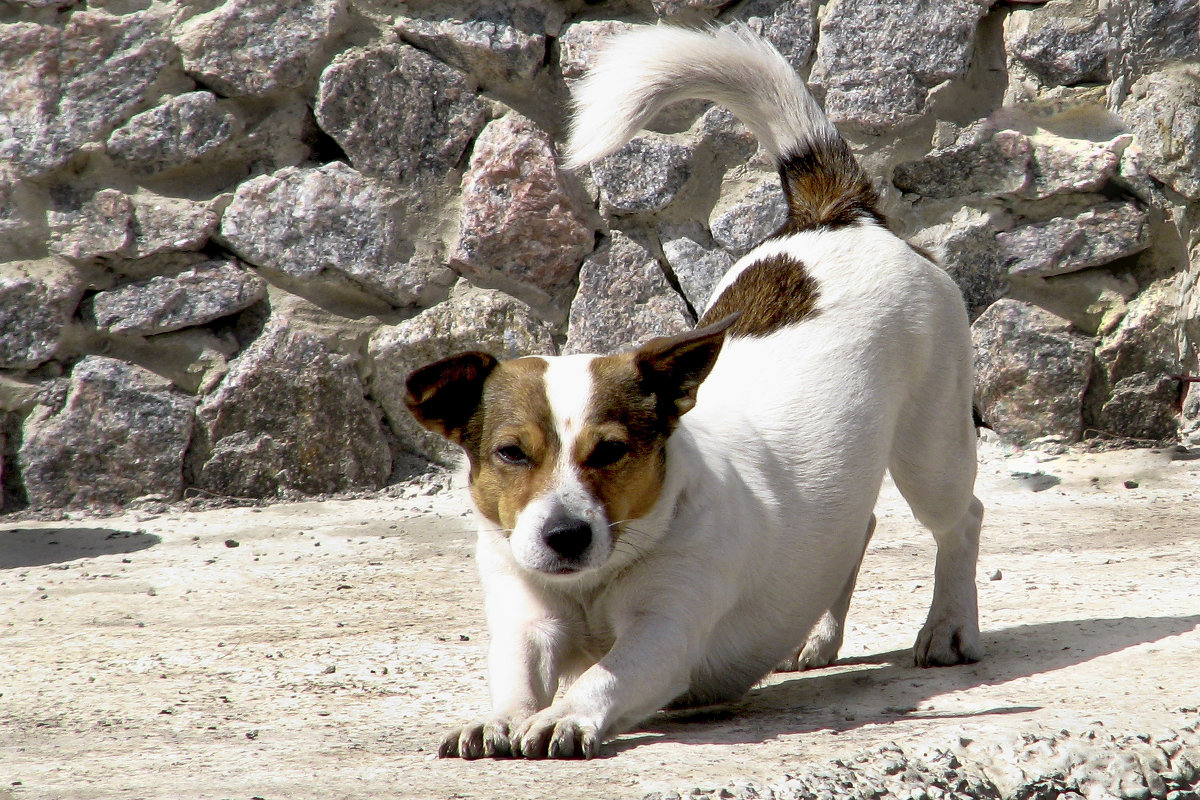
(826, 188)
(770, 294)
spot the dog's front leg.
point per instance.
(646, 668)
(524, 663)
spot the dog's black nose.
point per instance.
(569, 539)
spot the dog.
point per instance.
(664, 526)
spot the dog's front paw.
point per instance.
(557, 734)
(487, 738)
(944, 643)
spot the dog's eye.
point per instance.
(512, 454)
(606, 453)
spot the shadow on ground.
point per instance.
(886, 687)
(41, 546)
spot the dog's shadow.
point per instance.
(885, 687)
(42, 546)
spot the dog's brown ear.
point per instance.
(445, 395)
(673, 367)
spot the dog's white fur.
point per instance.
(770, 481)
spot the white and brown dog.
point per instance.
(666, 525)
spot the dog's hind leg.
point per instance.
(933, 466)
(820, 648)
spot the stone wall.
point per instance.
(229, 229)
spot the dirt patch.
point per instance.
(146, 656)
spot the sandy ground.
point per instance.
(319, 649)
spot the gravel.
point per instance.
(1095, 764)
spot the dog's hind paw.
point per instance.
(819, 650)
(487, 738)
(552, 734)
(945, 644)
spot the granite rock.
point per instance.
(967, 249)
(1100, 235)
(1148, 35)
(92, 227)
(63, 87)
(1163, 111)
(790, 25)
(120, 435)
(696, 261)
(676, 8)
(441, 115)
(472, 319)
(200, 294)
(643, 176)
(168, 224)
(290, 417)
(1133, 394)
(522, 222)
(624, 299)
(247, 48)
(1031, 372)
(1061, 165)
(113, 225)
(493, 42)
(579, 43)
(743, 216)
(37, 300)
(878, 59)
(1063, 42)
(1093, 300)
(337, 222)
(182, 130)
(992, 165)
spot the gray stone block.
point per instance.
(197, 295)
(643, 176)
(522, 223)
(120, 435)
(991, 165)
(290, 417)
(337, 222)
(182, 130)
(70, 85)
(398, 113)
(1097, 236)
(697, 262)
(624, 299)
(1063, 42)
(494, 42)
(1163, 111)
(745, 215)
(1031, 372)
(245, 47)
(878, 59)
(37, 300)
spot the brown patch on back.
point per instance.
(826, 188)
(514, 412)
(771, 293)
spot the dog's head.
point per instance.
(566, 453)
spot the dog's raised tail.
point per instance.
(638, 73)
